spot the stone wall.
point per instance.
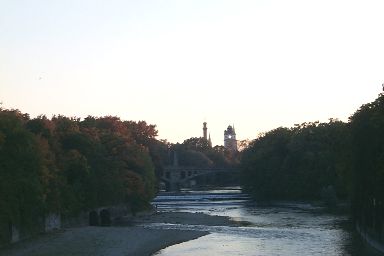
(52, 222)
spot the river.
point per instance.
(284, 228)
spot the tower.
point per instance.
(230, 141)
(205, 135)
(205, 130)
(209, 141)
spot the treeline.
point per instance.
(297, 163)
(328, 161)
(65, 165)
(197, 152)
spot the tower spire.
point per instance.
(205, 130)
(209, 140)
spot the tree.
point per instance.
(21, 200)
(65, 165)
(297, 163)
(197, 144)
(261, 164)
(143, 133)
(367, 125)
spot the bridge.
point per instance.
(175, 177)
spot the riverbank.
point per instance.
(185, 218)
(370, 242)
(126, 238)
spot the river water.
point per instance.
(284, 228)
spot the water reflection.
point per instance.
(282, 229)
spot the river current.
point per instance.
(284, 228)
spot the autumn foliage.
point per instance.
(67, 165)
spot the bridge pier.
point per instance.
(172, 186)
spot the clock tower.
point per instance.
(230, 141)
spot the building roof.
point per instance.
(230, 130)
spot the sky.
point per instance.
(257, 65)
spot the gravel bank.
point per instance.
(124, 240)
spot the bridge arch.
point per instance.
(176, 177)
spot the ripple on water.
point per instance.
(286, 228)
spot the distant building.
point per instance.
(205, 134)
(205, 130)
(230, 141)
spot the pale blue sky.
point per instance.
(258, 64)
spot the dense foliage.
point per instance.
(328, 161)
(197, 152)
(298, 163)
(367, 166)
(66, 166)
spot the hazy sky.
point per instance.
(257, 64)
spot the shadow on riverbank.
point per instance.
(129, 238)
